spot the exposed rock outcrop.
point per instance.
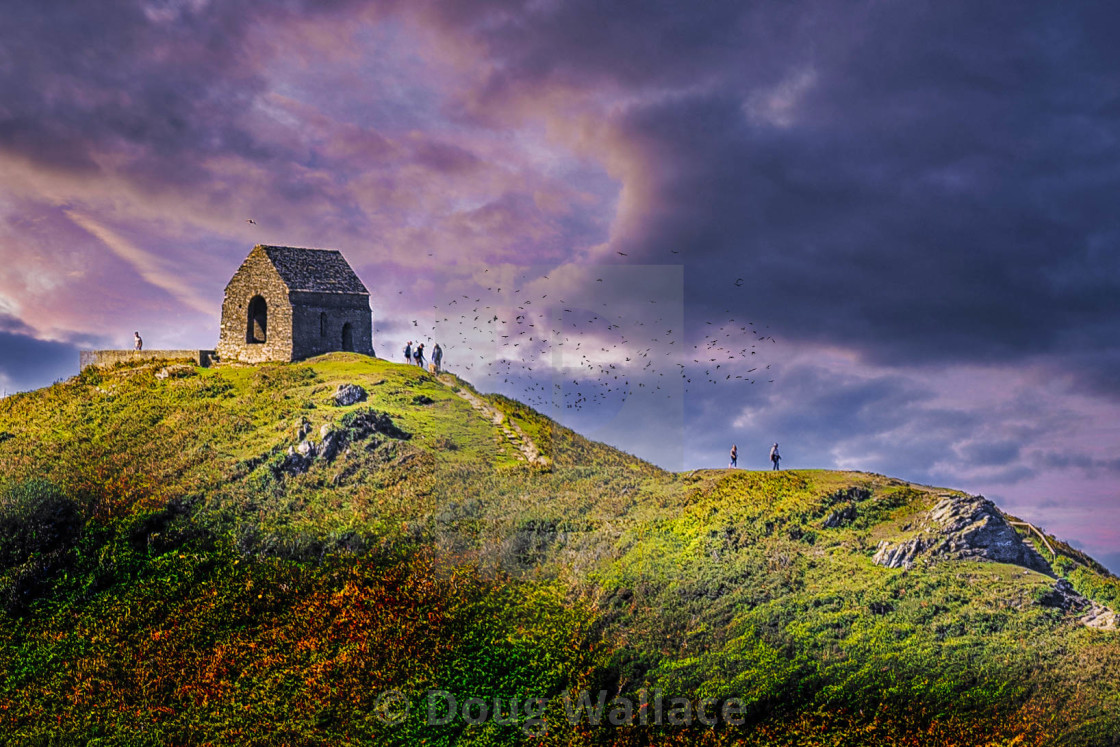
(972, 528)
(840, 517)
(852, 494)
(1065, 598)
(349, 394)
(331, 442)
(965, 528)
(358, 425)
(1099, 617)
(362, 424)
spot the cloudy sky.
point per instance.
(907, 208)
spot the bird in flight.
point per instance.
(250, 220)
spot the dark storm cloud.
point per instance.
(163, 81)
(1066, 460)
(921, 181)
(628, 44)
(857, 242)
(27, 363)
(992, 454)
(79, 75)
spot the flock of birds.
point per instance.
(559, 355)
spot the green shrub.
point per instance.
(90, 376)
(1101, 589)
(36, 518)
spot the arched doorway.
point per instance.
(258, 321)
(347, 337)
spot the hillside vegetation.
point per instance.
(173, 570)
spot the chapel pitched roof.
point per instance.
(314, 270)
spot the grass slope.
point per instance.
(164, 579)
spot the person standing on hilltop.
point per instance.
(734, 456)
(418, 354)
(138, 343)
(437, 356)
(775, 457)
(408, 353)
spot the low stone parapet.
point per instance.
(105, 358)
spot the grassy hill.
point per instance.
(227, 556)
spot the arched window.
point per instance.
(322, 324)
(347, 337)
(257, 331)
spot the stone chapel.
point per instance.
(286, 304)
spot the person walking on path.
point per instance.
(418, 354)
(408, 353)
(734, 456)
(437, 356)
(775, 457)
(138, 343)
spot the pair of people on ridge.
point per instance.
(775, 457)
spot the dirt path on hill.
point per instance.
(523, 446)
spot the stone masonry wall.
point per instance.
(256, 276)
(105, 358)
(308, 336)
